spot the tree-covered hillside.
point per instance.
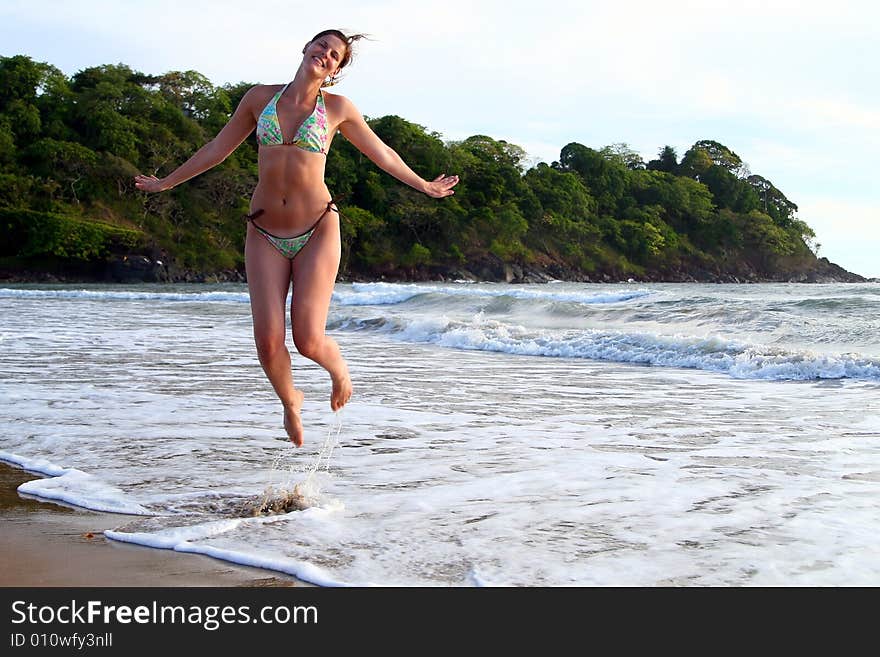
(69, 148)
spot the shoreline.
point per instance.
(46, 544)
(141, 269)
(53, 279)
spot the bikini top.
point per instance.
(311, 135)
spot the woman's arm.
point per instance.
(211, 154)
(356, 130)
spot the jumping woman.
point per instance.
(293, 226)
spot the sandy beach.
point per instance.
(47, 544)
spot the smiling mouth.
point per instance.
(318, 61)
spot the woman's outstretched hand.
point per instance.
(148, 183)
(441, 186)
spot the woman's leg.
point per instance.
(268, 277)
(314, 275)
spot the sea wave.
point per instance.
(123, 295)
(712, 353)
(359, 294)
(374, 294)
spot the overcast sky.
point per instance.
(790, 86)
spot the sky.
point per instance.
(790, 86)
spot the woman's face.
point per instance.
(325, 54)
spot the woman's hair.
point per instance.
(347, 40)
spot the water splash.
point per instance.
(290, 496)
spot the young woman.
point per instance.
(293, 226)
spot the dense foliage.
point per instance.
(69, 148)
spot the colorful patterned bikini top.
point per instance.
(311, 135)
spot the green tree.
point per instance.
(686, 203)
(7, 142)
(606, 179)
(561, 192)
(729, 191)
(622, 153)
(197, 98)
(67, 162)
(667, 161)
(772, 201)
(721, 155)
(425, 151)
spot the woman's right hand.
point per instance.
(149, 183)
(441, 186)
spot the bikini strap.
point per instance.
(333, 201)
(329, 208)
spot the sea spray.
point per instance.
(305, 494)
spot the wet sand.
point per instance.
(49, 544)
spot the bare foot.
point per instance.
(341, 390)
(292, 421)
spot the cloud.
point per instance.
(848, 231)
(827, 113)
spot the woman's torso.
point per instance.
(291, 189)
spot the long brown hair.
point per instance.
(347, 40)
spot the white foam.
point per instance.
(115, 295)
(712, 352)
(73, 487)
(368, 294)
(40, 466)
(477, 579)
(186, 539)
(387, 295)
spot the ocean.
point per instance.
(562, 434)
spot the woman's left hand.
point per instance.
(149, 183)
(441, 186)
